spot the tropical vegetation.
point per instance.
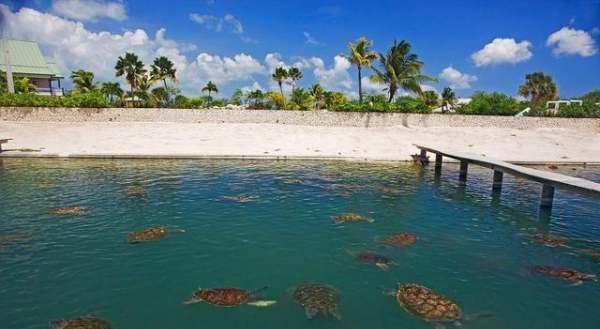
(398, 71)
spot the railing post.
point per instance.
(464, 167)
(438, 164)
(497, 184)
(423, 154)
(547, 197)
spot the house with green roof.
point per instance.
(26, 60)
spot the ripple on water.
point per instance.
(473, 247)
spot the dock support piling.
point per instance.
(464, 167)
(547, 196)
(497, 184)
(438, 164)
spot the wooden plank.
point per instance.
(497, 184)
(548, 178)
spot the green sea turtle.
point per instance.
(229, 297)
(317, 299)
(427, 304)
(84, 322)
(564, 273)
(351, 217)
(373, 258)
(135, 191)
(9, 239)
(389, 190)
(551, 240)
(241, 198)
(403, 239)
(149, 234)
(69, 211)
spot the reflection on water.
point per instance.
(248, 224)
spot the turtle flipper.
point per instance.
(192, 300)
(382, 266)
(58, 324)
(310, 312)
(263, 303)
(336, 313)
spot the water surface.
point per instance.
(473, 247)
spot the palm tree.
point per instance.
(280, 76)
(430, 97)
(256, 98)
(361, 56)
(111, 90)
(301, 100)
(317, 92)
(133, 69)
(210, 87)
(448, 99)
(294, 74)
(83, 81)
(538, 86)
(236, 97)
(400, 69)
(163, 69)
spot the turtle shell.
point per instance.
(153, 233)
(368, 257)
(69, 211)
(348, 217)
(135, 191)
(404, 239)
(226, 297)
(427, 304)
(85, 322)
(563, 273)
(551, 240)
(317, 299)
(241, 198)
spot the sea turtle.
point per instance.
(135, 191)
(351, 217)
(551, 240)
(149, 234)
(84, 322)
(229, 297)
(427, 304)
(564, 273)
(241, 198)
(69, 211)
(373, 258)
(403, 239)
(317, 298)
(387, 190)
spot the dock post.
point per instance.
(497, 184)
(462, 178)
(547, 196)
(438, 164)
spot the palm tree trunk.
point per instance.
(359, 84)
(282, 96)
(392, 93)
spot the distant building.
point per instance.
(26, 60)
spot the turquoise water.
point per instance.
(473, 247)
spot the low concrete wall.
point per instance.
(308, 118)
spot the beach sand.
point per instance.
(163, 139)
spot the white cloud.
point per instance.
(309, 39)
(252, 87)
(73, 46)
(457, 79)
(222, 70)
(369, 86)
(335, 78)
(503, 51)
(570, 41)
(89, 10)
(217, 24)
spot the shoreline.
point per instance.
(170, 140)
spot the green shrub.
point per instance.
(586, 110)
(490, 104)
(32, 100)
(380, 104)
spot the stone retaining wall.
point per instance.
(309, 118)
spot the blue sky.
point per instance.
(470, 45)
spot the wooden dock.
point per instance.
(549, 180)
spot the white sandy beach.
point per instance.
(275, 140)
